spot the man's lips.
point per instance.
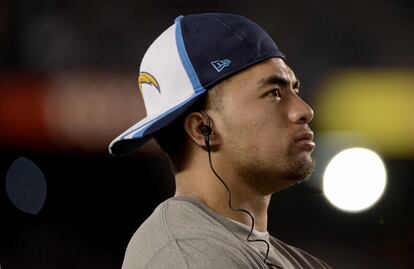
(308, 135)
(305, 140)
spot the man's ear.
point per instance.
(193, 123)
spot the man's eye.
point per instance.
(275, 93)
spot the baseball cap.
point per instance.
(193, 54)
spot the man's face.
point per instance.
(264, 128)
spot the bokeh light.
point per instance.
(354, 179)
(26, 186)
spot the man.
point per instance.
(224, 106)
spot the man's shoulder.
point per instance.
(178, 218)
(178, 230)
(168, 221)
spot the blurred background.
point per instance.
(68, 86)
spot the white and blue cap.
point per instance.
(192, 55)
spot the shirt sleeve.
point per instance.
(198, 254)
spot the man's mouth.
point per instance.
(305, 140)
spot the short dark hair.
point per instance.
(173, 138)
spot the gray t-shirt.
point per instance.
(184, 233)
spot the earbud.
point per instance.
(206, 132)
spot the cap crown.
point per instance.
(235, 40)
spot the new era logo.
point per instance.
(220, 64)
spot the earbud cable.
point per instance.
(236, 209)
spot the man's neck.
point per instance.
(206, 187)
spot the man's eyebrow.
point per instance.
(276, 79)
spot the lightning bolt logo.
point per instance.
(145, 77)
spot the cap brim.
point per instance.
(143, 130)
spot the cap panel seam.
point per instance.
(244, 36)
(228, 27)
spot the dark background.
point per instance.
(95, 202)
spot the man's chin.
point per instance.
(300, 172)
(291, 176)
(294, 177)
(276, 179)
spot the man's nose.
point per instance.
(300, 112)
